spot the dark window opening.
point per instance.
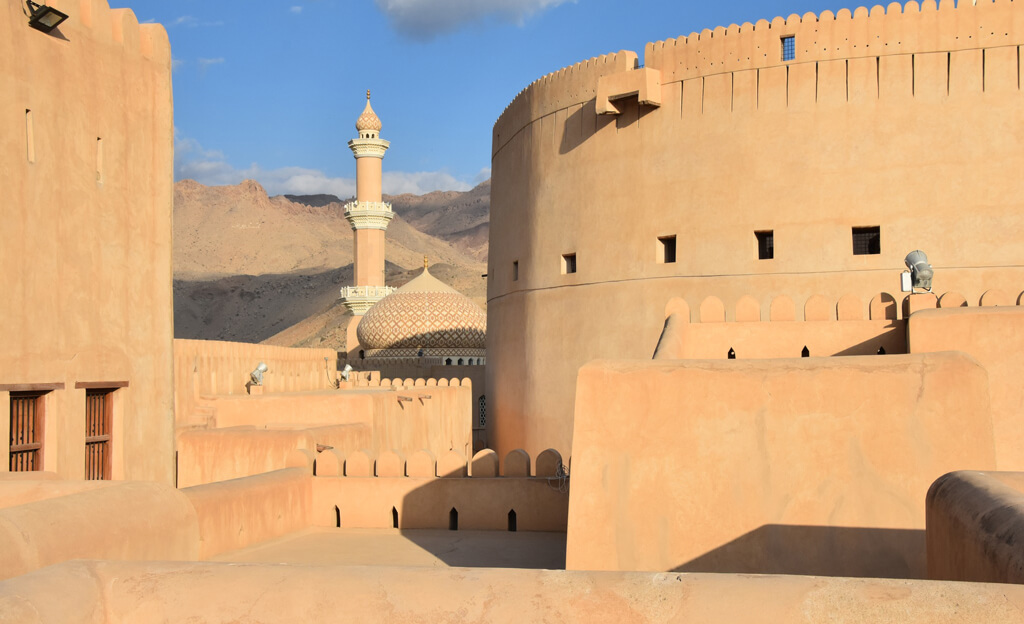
(512, 520)
(881, 350)
(448, 362)
(805, 353)
(362, 354)
(98, 410)
(26, 439)
(482, 401)
(568, 263)
(667, 249)
(515, 271)
(789, 48)
(453, 520)
(867, 241)
(732, 354)
(337, 517)
(394, 518)
(765, 244)
(460, 361)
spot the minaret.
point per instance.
(368, 216)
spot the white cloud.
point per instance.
(425, 19)
(193, 161)
(296, 9)
(206, 62)
(191, 22)
(176, 63)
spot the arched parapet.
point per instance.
(549, 463)
(432, 382)
(442, 382)
(782, 309)
(817, 308)
(385, 382)
(712, 310)
(952, 300)
(390, 464)
(408, 382)
(517, 464)
(466, 382)
(995, 297)
(125, 29)
(301, 458)
(421, 465)
(420, 383)
(96, 15)
(359, 464)
(748, 310)
(882, 307)
(451, 464)
(678, 307)
(850, 308)
(329, 463)
(485, 464)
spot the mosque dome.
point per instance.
(424, 317)
(369, 119)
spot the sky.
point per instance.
(270, 90)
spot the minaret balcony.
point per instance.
(359, 299)
(369, 215)
(368, 147)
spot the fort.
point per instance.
(750, 416)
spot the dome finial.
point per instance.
(424, 263)
(367, 94)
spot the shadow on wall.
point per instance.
(584, 122)
(817, 551)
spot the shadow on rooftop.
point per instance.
(818, 551)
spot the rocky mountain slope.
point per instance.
(253, 268)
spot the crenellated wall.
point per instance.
(902, 119)
(424, 491)
(86, 167)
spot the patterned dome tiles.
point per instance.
(428, 320)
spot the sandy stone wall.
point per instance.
(800, 466)
(975, 526)
(895, 118)
(115, 592)
(86, 138)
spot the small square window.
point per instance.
(666, 249)
(867, 241)
(789, 48)
(515, 270)
(568, 263)
(765, 244)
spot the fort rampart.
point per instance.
(747, 172)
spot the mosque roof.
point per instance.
(426, 313)
(369, 119)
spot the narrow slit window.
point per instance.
(394, 518)
(30, 138)
(568, 263)
(337, 517)
(99, 159)
(98, 408)
(666, 249)
(731, 355)
(515, 270)
(26, 440)
(789, 48)
(867, 241)
(512, 520)
(765, 244)
(806, 352)
(453, 519)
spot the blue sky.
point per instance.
(271, 90)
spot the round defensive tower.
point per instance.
(801, 157)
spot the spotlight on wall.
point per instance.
(44, 18)
(346, 372)
(920, 271)
(256, 376)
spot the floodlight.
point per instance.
(257, 375)
(345, 372)
(44, 18)
(920, 271)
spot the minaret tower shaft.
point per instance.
(368, 215)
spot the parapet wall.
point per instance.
(801, 466)
(421, 491)
(141, 593)
(210, 367)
